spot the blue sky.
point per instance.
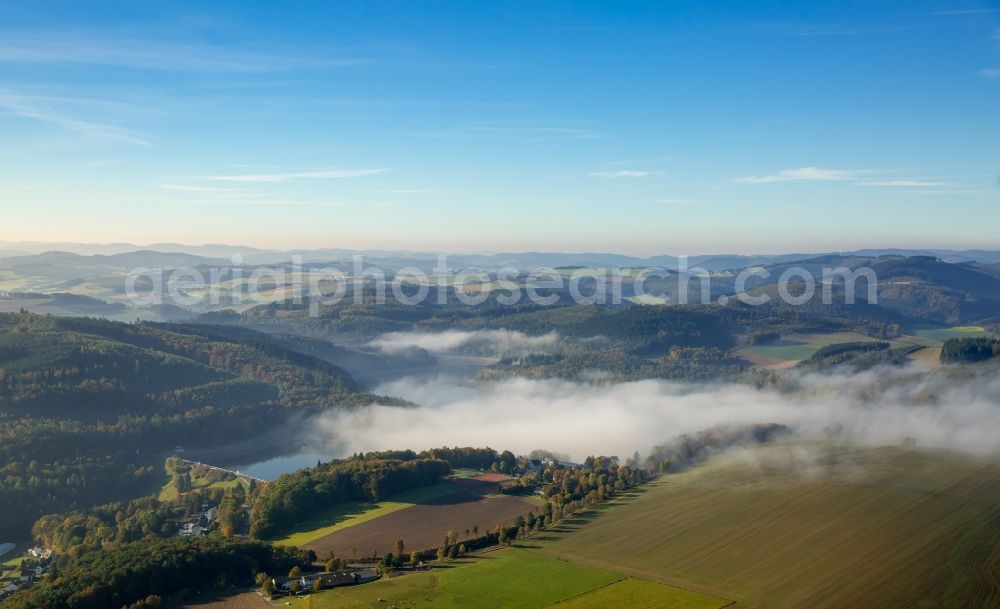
(633, 127)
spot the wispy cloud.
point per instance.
(261, 203)
(112, 49)
(622, 173)
(990, 73)
(89, 130)
(525, 133)
(186, 188)
(248, 199)
(799, 29)
(661, 159)
(857, 177)
(326, 174)
(802, 173)
(566, 133)
(960, 12)
(905, 183)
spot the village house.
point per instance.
(281, 584)
(330, 580)
(200, 525)
(190, 529)
(558, 463)
(208, 517)
(366, 575)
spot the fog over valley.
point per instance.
(499, 305)
(913, 405)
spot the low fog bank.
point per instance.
(491, 342)
(942, 409)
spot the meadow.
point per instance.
(12, 563)
(513, 578)
(201, 479)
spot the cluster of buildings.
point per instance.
(332, 579)
(537, 465)
(32, 567)
(199, 526)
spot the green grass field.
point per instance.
(508, 579)
(346, 515)
(935, 337)
(634, 593)
(810, 525)
(169, 490)
(13, 559)
(817, 524)
(798, 347)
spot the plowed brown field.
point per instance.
(424, 526)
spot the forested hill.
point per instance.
(86, 403)
(88, 368)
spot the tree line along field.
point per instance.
(811, 525)
(511, 578)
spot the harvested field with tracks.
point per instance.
(819, 525)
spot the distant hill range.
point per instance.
(116, 255)
(920, 287)
(941, 286)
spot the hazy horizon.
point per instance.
(637, 128)
(710, 251)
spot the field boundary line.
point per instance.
(585, 592)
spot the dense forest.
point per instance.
(104, 526)
(858, 356)
(296, 495)
(87, 404)
(627, 342)
(970, 350)
(142, 574)
(679, 363)
(643, 330)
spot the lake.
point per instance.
(269, 469)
